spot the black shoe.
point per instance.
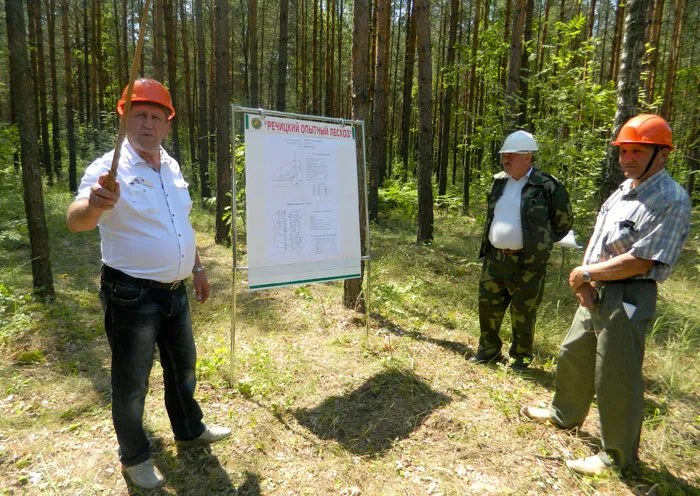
(520, 363)
(482, 359)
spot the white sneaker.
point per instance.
(145, 475)
(537, 414)
(590, 465)
(214, 434)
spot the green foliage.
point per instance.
(448, 203)
(9, 145)
(12, 310)
(402, 197)
(208, 366)
(304, 292)
(30, 356)
(13, 231)
(392, 297)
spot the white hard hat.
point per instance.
(519, 142)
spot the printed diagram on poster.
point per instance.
(302, 208)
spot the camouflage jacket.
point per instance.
(545, 212)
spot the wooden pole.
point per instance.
(110, 183)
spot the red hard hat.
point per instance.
(645, 129)
(148, 91)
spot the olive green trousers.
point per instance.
(602, 355)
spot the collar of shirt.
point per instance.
(130, 153)
(525, 178)
(647, 185)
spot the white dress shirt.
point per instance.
(506, 232)
(148, 233)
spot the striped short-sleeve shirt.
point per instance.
(650, 221)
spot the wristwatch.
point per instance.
(198, 269)
(586, 276)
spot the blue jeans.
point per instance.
(136, 319)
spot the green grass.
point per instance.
(316, 406)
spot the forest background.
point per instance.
(439, 85)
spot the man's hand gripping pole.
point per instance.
(112, 178)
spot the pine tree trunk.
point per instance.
(303, 59)
(627, 88)
(394, 91)
(118, 43)
(158, 64)
(55, 118)
(41, 79)
(667, 106)
(328, 69)
(503, 66)
(425, 119)
(653, 42)
(253, 45)
(406, 108)
(470, 110)
(171, 48)
(381, 90)
(447, 104)
(70, 126)
(212, 84)
(42, 277)
(84, 74)
(189, 100)
(524, 118)
(315, 62)
(617, 37)
(602, 76)
(352, 288)
(282, 48)
(544, 24)
(97, 101)
(514, 65)
(124, 70)
(223, 124)
(203, 128)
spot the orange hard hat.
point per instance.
(645, 129)
(148, 91)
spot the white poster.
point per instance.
(302, 207)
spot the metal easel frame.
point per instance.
(366, 258)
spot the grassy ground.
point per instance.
(318, 407)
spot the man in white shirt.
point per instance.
(148, 250)
(528, 210)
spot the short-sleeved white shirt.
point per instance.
(148, 234)
(506, 231)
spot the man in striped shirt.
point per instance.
(638, 237)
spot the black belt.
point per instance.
(508, 252)
(110, 274)
(628, 281)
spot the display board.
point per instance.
(302, 209)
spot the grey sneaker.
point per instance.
(145, 475)
(213, 434)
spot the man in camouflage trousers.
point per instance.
(528, 211)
